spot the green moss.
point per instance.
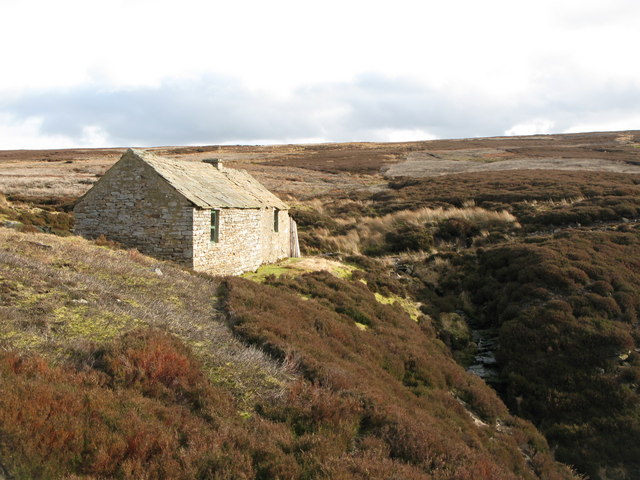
(88, 323)
(140, 281)
(21, 339)
(263, 272)
(132, 302)
(276, 269)
(409, 306)
(40, 303)
(345, 271)
(175, 300)
(298, 266)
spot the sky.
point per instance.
(94, 73)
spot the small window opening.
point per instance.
(215, 225)
(276, 222)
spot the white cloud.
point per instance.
(406, 135)
(19, 134)
(371, 108)
(275, 141)
(493, 46)
(532, 127)
(28, 133)
(627, 122)
(450, 68)
(93, 136)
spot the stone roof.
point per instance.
(206, 186)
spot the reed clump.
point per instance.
(410, 230)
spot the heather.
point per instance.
(550, 270)
(566, 310)
(115, 365)
(393, 386)
(64, 297)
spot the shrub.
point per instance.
(160, 367)
(55, 421)
(408, 237)
(563, 307)
(385, 390)
(456, 228)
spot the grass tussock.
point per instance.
(539, 199)
(410, 230)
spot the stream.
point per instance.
(484, 361)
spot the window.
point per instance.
(215, 225)
(275, 219)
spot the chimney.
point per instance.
(216, 162)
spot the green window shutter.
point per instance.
(215, 225)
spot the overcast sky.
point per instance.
(100, 73)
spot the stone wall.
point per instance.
(133, 205)
(275, 245)
(246, 240)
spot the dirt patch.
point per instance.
(422, 164)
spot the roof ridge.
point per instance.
(207, 187)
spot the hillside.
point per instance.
(515, 258)
(543, 266)
(305, 172)
(115, 364)
(566, 314)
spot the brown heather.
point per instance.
(566, 309)
(111, 370)
(389, 393)
(562, 292)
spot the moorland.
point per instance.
(468, 309)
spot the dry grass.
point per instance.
(64, 174)
(305, 171)
(369, 232)
(546, 205)
(62, 297)
(43, 186)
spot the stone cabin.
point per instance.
(200, 214)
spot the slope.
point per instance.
(116, 365)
